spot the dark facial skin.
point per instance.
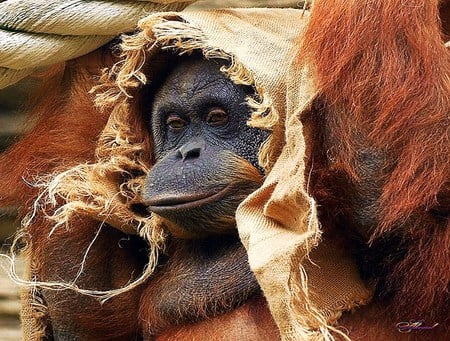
(205, 153)
(206, 164)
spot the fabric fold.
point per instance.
(307, 279)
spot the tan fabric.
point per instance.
(33, 313)
(307, 282)
(278, 225)
(37, 33)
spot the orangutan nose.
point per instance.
(191, 150)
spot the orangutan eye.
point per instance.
(176, 123)
(217, 117)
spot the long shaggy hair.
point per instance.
(65, 133)
(381, 67)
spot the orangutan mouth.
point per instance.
(184, 201)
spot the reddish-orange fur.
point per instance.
(384, 64)
(383, 71)
(381, 67)
(254, 322)
(65, 134)
(250, 322)
(60, 257)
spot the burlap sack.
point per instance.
(307, 282)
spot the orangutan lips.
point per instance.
(187, 201)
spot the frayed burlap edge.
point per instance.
(105, 189)
(33, 312)
(171, 32)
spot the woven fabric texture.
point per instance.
(308, 282)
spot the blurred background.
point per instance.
(12, 123)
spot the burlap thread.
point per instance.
(277, 223)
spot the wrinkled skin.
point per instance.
(206, 164)
(204, 272)
(203, 147)
(66, 135)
